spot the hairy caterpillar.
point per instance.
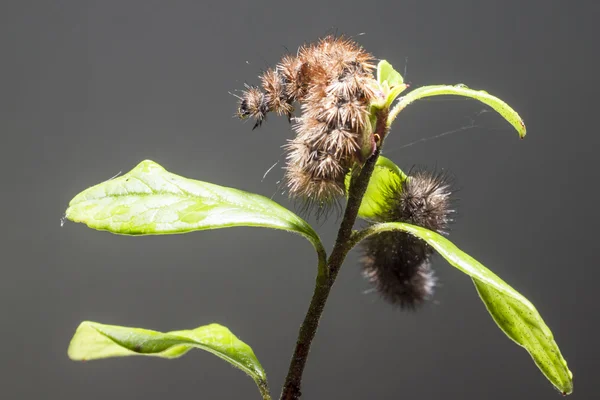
(332, 81)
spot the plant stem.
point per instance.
(326, 279)
(263, 387)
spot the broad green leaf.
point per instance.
(513, 313)
(149, 200)
(461, 90)
(385, 174)
(93, 341)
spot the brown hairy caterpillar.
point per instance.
(332, 81)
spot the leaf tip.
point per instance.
(72, 355)
(74, 351)
(568, 390)
(380, 67)
(68, 215)
(148, 165)
(523, 130)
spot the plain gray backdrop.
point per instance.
(88, 89)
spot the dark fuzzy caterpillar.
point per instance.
(397, 263)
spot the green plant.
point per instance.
(152, 201)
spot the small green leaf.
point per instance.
(461, 90)
(149, 200)
(513, 313)
(390, 82)
(385, 174)
(386, 74)
(95, 341)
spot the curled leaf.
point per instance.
(95, 341)
(513, 313)
(461, 90)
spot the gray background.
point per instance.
(88, 89)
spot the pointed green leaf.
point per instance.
(526, 328)
(94, 341)
(149, 200)
(386, 174)
(461, 90)
(513, 313)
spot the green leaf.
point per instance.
(95, 341)
(385, 174)
(150, 200)
(513, 313)
(390, 82)
(386, 74)
(461, 90)
(526, 328)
